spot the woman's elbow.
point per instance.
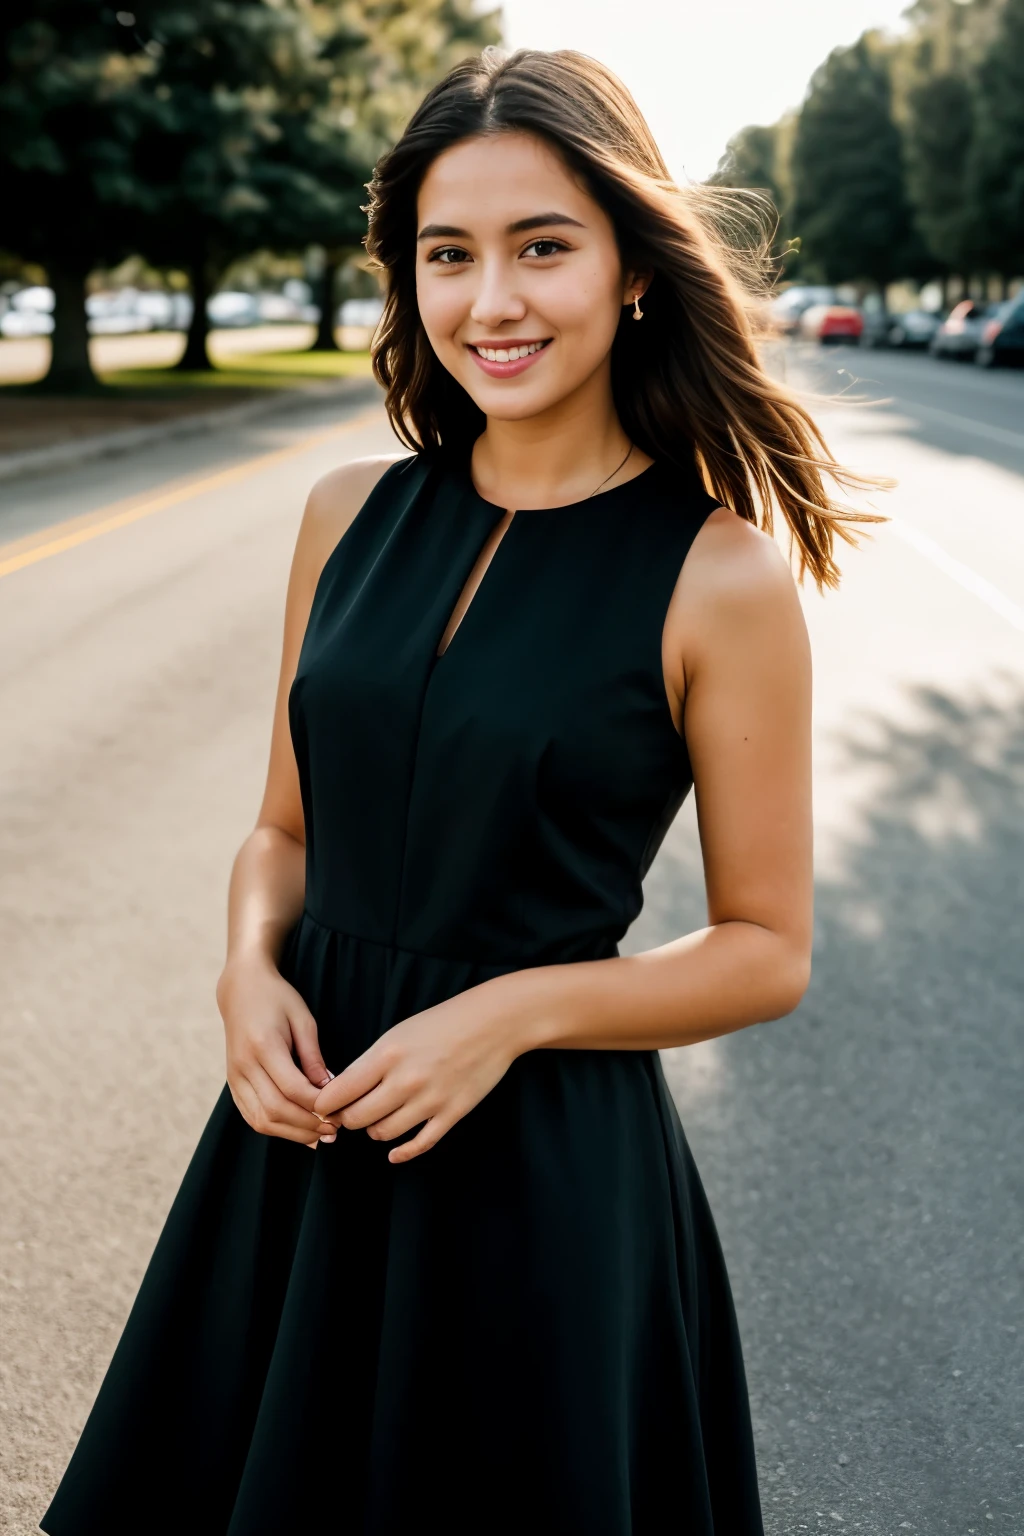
(790, 978)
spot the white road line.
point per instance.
(962, 574)
(964, 423)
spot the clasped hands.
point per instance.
(428, 1071)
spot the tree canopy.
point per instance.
(849, 194)
(194, 133)
(906, 159)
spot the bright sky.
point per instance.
(700, 71)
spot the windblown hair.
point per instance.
(688, 383)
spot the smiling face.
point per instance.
(519, 281)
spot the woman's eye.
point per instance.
(544, 247)
(448, 255)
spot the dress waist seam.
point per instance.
(418, 954)
(507, 963)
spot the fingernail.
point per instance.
(329, 1139)
(330, 1074)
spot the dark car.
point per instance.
(1002, 336)
(913, 328)
(959, 335)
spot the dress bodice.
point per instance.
(501, 802)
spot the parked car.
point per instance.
(233, 309)
(29, 313)
(959, 335)
(164, 311)
(1002, 336)
(831, 323)
(364, 312)
(116, 313)
(788, 307)
(25, 322)
(915, 328)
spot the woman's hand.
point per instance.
(265, 1018)
(429, 1070)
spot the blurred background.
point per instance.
(185, 314)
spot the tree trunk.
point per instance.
(325, 338)
(195, 358)
(70, 371)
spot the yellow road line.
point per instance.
(118, 514)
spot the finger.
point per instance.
(429, 1137)
(413, 1113)
(278, 1115)
(358, 1078)
(307, 1044)
(380, 1101)
(249, 1107)
(275, 1059)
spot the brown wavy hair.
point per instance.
(688, 383)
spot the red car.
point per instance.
(832, 323)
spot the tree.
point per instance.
(194, 131)
(240, 160)
(937, 107)
(996, 160)
(384, 55)
(71, 118)
(754, 161)
(850, 207)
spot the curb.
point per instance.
(34, 461)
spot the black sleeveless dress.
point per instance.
(528, 1329)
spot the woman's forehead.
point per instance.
(499, 177)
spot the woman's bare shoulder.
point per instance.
(734, 573)
(334, 501)
(735, 597)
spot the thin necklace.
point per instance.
(614, 472)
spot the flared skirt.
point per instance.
(528, 1328)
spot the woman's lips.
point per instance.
(510, 369)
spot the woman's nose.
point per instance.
(496, 299)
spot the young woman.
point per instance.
(494, 1300)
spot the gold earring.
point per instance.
(638, 313)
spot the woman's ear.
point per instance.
(637, 283)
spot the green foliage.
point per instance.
(907, 156)
(755, 161)
(937, 105)
(73, 108)
(996, 159)
(193, 133)
(850, 206)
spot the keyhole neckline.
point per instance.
(566, 506)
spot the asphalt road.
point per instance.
(863, 1157)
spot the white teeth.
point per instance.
(508, 354)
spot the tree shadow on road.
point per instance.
(864, 1157)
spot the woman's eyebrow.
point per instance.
(533, 221)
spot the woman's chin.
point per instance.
(510, 401)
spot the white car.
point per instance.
(25, 322)
(233, 309)
(30, 313)
(116, 313)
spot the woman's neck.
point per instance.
(556, 458)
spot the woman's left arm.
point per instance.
(737, 642)
(737, 654)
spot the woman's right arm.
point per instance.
(265, 1018)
